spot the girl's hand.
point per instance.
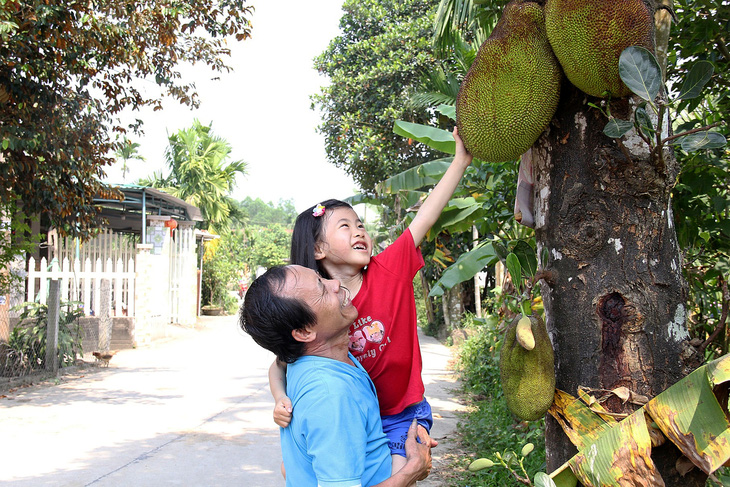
(461, 152)
(283, 412)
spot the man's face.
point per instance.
(329, 301)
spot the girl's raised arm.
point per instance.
(441, 193)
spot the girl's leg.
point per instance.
(398, 463)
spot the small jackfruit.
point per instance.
(523, 333)
(528, 376)
(588, 37)
(480, 464)
(512, 88)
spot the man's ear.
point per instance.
(304, 335)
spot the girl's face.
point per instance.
(344, 240)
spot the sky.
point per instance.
(262, 108)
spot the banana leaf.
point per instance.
(465, 267)
(441, 140)
(690, 415)
(620, 456)
(426, 174)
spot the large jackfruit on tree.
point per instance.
(588, 37)
(511, 91)
(528, 376)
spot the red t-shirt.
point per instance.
(384, 338)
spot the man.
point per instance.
(336, 436)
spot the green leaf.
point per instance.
(689, 414)
(696, 79)
(543, 480)
(640, 71)
(702, 140)
(438, 139)
(527, 256)
(426, 174)
(515, 270)
(6, 143)
(465, 267)
(643, 121)
(616, 128)
(447, 110)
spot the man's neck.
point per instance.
(334, 349)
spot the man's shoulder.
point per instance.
(323, 372)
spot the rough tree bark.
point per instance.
(615, 297)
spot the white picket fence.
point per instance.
(83, 283)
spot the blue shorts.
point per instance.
(395, 426)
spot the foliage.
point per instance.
(201, 174)
(267, 246)
(260, 213)
(382, 54)
(127, 151)
(27, 342)
(490, 427)
(701, 200)
(15, 240)
(67, 70)
(223, 264)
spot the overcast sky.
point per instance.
(262, 108)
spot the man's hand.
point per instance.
(418, 455)
(283, 412)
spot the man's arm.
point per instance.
(438, 198)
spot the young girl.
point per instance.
(331, 239)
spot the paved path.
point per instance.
(191, 410)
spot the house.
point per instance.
(145, 251)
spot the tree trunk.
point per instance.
(614, 296)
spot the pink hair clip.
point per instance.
(318, 211)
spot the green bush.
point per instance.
(490, 427)
(26, 347)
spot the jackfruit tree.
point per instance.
(615, 297)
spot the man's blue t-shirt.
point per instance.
(335, 438)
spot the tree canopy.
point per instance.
(264, 214)
(383, 52)
(201, 173)
(68, 68)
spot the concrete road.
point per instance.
(190, 410)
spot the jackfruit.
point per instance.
(588, 37)
(528, 376)
(512, 88)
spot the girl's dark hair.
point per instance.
(270, 318)
(308, 230)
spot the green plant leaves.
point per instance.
(515, 269)
(438, 139)
(616, 128)
(426, 174)
(465, 267)
(644, 122)
(702, 140)
(640, 71)
(696, 79)
(447, 110)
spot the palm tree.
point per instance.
(201, 174)
(128, 150)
